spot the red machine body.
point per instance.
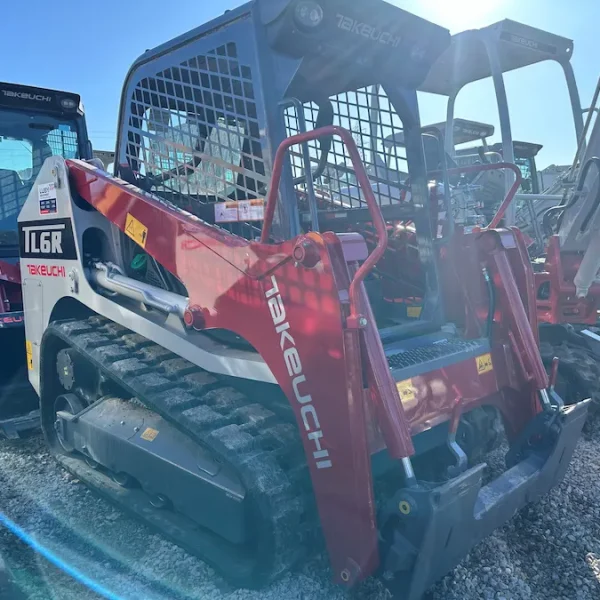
(11, 301)
(301, 304)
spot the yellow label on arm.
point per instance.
(484, 363)
(149, 434)
(413, 312)
(408, 393)
(136, 230)
(29, 352)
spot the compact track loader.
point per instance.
(35, 123)
(209, 333)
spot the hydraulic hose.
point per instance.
(492, 303)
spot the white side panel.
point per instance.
(33, 306)
(55, 277)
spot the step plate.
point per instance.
(412, 360)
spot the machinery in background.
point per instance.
(490, 52)
(474, 199)
(35, 123)
(566, 279)
(490, 189)
(524, 155)
(107, 157)
(214, 327)
(560, 220)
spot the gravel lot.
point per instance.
(549, 551)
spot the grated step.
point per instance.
(415, 356)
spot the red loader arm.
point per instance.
(297, 304)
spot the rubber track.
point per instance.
(582, 369)
(266, 452)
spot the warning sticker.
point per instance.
(484, 363)
(408, 392)
(251, 210)
(242, 210)
(413, 312)
(136, 230)
(29, 352)
(149, 434)
(226, 212)
(47, 198)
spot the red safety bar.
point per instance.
(365, 186)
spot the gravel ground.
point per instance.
(551, 550)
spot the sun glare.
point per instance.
(458, 15)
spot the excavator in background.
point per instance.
(35, 123)
(207, 328)
(525, 158)
(566, 278)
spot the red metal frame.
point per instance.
(292, 301)
(10, 273)
(354, 319)
(293, 315)
(10, 286)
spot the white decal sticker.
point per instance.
(226, 212)
(251, 210)
(47, 198)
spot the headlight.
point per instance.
(68, 103)
(308, 14)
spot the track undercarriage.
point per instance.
(225, 476)
(220, 475)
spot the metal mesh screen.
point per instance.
(377, 130)
(12, 197)
(195, 136)
(63, 142)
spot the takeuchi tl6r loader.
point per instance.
(35, 123)
(213, 344)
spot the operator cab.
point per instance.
(525, 153)
(35, 123)
(201, 118)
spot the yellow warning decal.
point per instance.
(29, 352)
(149, 434)
(484, 363)
(413, 312)
(408, 392)
(136, 230)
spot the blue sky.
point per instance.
(88, 47)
